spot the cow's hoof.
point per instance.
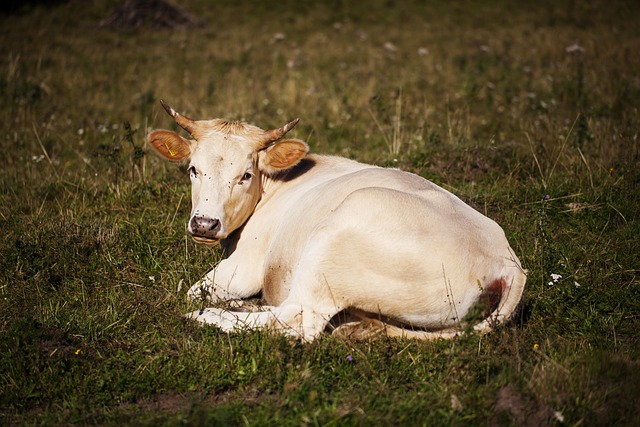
(199, 292)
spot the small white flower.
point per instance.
(279, 37)
(152, 278)
(423, 51)
(456, 405)
(576, 284)
(550, 283)
(558, 416)
(556, 277)
(574, 48)
(390, 47)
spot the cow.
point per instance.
(320, 238)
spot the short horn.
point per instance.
(185, 122)
(275, 134)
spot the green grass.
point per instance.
(480, 97)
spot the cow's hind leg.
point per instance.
(290, 319)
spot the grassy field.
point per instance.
(528, 113)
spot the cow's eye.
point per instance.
(192, 171)
(247, 176)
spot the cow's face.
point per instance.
(227, 163)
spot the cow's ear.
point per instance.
(282, 155)
(170, 145)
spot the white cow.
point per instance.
(321, 235)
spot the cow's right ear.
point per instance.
(170, 145)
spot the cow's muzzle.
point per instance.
(204, 228)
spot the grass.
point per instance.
(487, 99)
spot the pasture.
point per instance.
(529, 113)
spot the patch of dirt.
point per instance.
(55, 343)
(171, 402)
(33, 339)
(522, 411)
(155, 14)
(190, 402)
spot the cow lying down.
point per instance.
(322, 235)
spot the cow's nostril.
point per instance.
(203, 226)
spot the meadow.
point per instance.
(526, 111)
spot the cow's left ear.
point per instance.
(170, 145)
(282, 155)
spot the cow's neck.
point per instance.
(271, 184)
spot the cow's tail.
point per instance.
(502, 298)
(512, 287)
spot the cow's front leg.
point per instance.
(206, 289)
(226, 282)
(293, 320)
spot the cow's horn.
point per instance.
(276, 134)
(185, 122)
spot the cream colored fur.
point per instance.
(317, 235)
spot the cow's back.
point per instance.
(288, 217)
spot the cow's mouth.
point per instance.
(205, 240)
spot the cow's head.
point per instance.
(227, 161)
